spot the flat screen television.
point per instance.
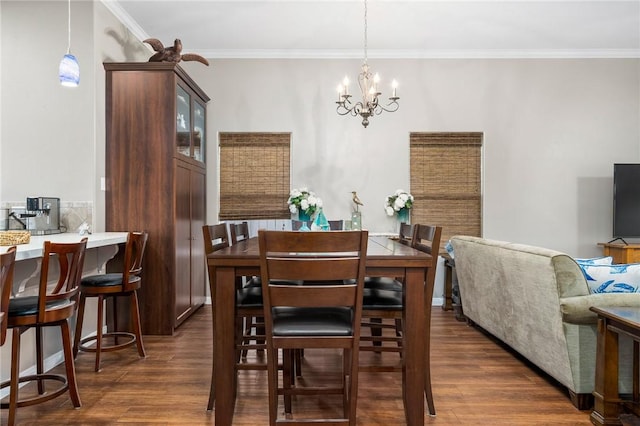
(626, 201)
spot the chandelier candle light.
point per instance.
(368, 83)
(69, 71)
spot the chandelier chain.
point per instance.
(69, 27)
(365, 32)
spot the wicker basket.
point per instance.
(9, 238)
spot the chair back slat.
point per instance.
(69, 259)
(312, 268)
(426, 238)
(7, 265)
(406, 233)
(133, 255)
(239, 232)
(308, 296)
(215, 237)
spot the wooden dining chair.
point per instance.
(239, 232)
(405, 234)
(373, 284)
(7, 264)
(383, 300)
(113, 286)
(325, 312)
(335, 225)
(426, 238)
(55, 304)
(296, 224)
(248, 306)
(252, 326)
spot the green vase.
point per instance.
(303, 217)
(403, 215)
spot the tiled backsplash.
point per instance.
(72, 214)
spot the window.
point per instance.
(254, 175)
(446, 182)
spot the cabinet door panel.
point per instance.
(183, 243)
(198, 218)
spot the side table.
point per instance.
(452, 297)
(612, 322)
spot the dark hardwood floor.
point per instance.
(475, 382)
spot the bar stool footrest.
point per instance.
(40, 398)
(109, 347)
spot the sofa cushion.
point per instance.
(602, 260)
(620, 278)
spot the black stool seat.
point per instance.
(28, 305)
(382, 294)
(333, 321)
(104, 280)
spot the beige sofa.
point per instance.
(537, 301)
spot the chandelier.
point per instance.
(368, 82)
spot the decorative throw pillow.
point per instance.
(622, 278)
(449, 248)
(604, 260)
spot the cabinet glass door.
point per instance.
(183, 122)
(199, 138)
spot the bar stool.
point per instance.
(7, 263)
(53, 306)
(113, 285)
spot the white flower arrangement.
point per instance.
(303, 200)
(401, 199)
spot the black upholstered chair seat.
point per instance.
(257, 282)
(249, 297)
(334, 321)
(382, 299)
(28, 305)
(383, 283)
(106, 280)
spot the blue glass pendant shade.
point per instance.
(69, 71)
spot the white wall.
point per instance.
(46, 136)
(553, 128)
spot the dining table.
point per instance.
(386, 257)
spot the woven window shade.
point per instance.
(446, 182)
(254, 175)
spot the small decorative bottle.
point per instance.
(321, 223)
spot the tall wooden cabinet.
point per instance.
(155, 181)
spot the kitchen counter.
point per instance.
(36, 244)
(101, 247)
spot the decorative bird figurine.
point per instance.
(356, 200)
(173, 53)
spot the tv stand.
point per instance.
(621, 253)
(619, 238)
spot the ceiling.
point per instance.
(396, 28)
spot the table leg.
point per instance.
(224, 345)
(414, 335)
(606, 407)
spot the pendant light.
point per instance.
(69, 71)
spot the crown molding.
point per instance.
(140, 33)
(420, 54)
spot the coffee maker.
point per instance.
(42, 215)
